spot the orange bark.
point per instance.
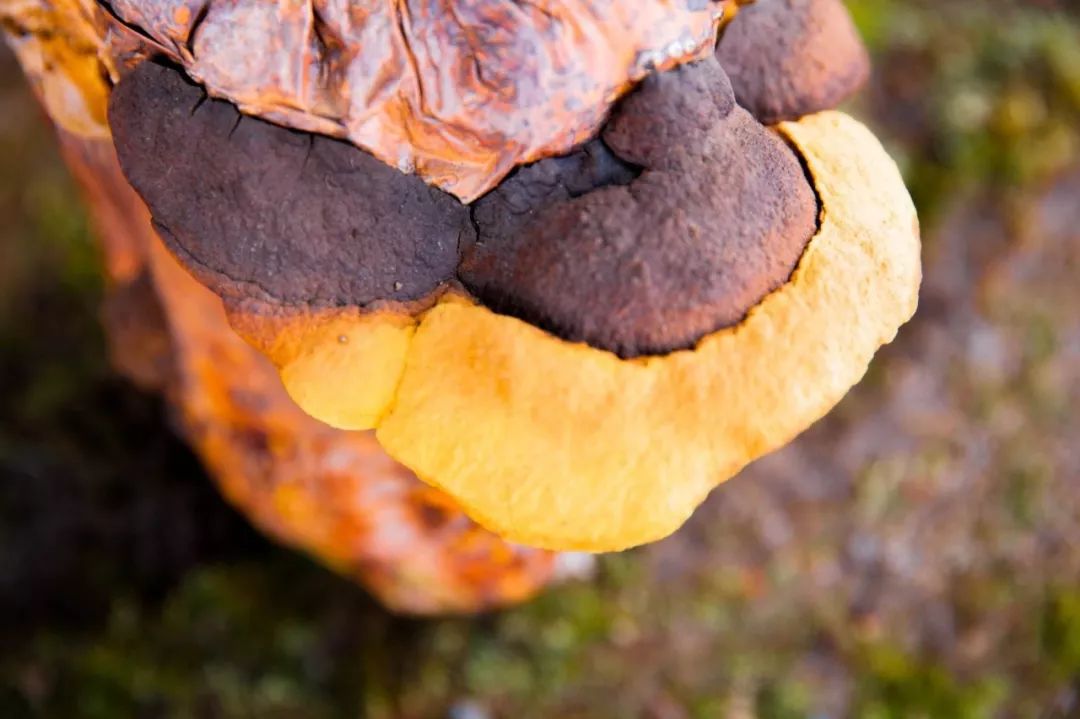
(332, 493)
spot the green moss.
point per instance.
(782, 700)
(227, 640)
(1000, 108)
(1060, 632)
(896, 685)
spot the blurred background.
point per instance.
(915, 554)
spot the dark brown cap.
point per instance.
(674, 223)
(789, 58)
(256, 210)
(698, 213)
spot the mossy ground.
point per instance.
(916, 554)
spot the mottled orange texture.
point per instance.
(457, 92)
(333, 493)
(57, 44)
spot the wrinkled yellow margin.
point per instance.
(563, 446)
(341, 366)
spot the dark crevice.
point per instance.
(675, 220)
(17, 30)
(332, 50)
(202, 100)
(307, 156)
(233, 206)
(236, 125)
(107, 7)
(409, 53)
(810, 181)
(196, 25)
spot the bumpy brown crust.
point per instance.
(680, 220)
(258, 210)
(716, 220)
(790, 58)
(559, 445)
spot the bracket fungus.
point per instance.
(575, 263)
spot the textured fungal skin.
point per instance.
(559, 445)
(790, 58)
(459, 92)
(340, 364)
(259, 210)
(679, 220)
(699, 212)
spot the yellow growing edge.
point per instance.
(563, 446)
(341, 366)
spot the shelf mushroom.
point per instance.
(576, 274)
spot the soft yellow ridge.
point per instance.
(563, 446)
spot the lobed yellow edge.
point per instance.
(566, 447)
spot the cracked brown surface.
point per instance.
(680, 216)
(259, 211)
(676, 222)
(717, 218)
(789, 58)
